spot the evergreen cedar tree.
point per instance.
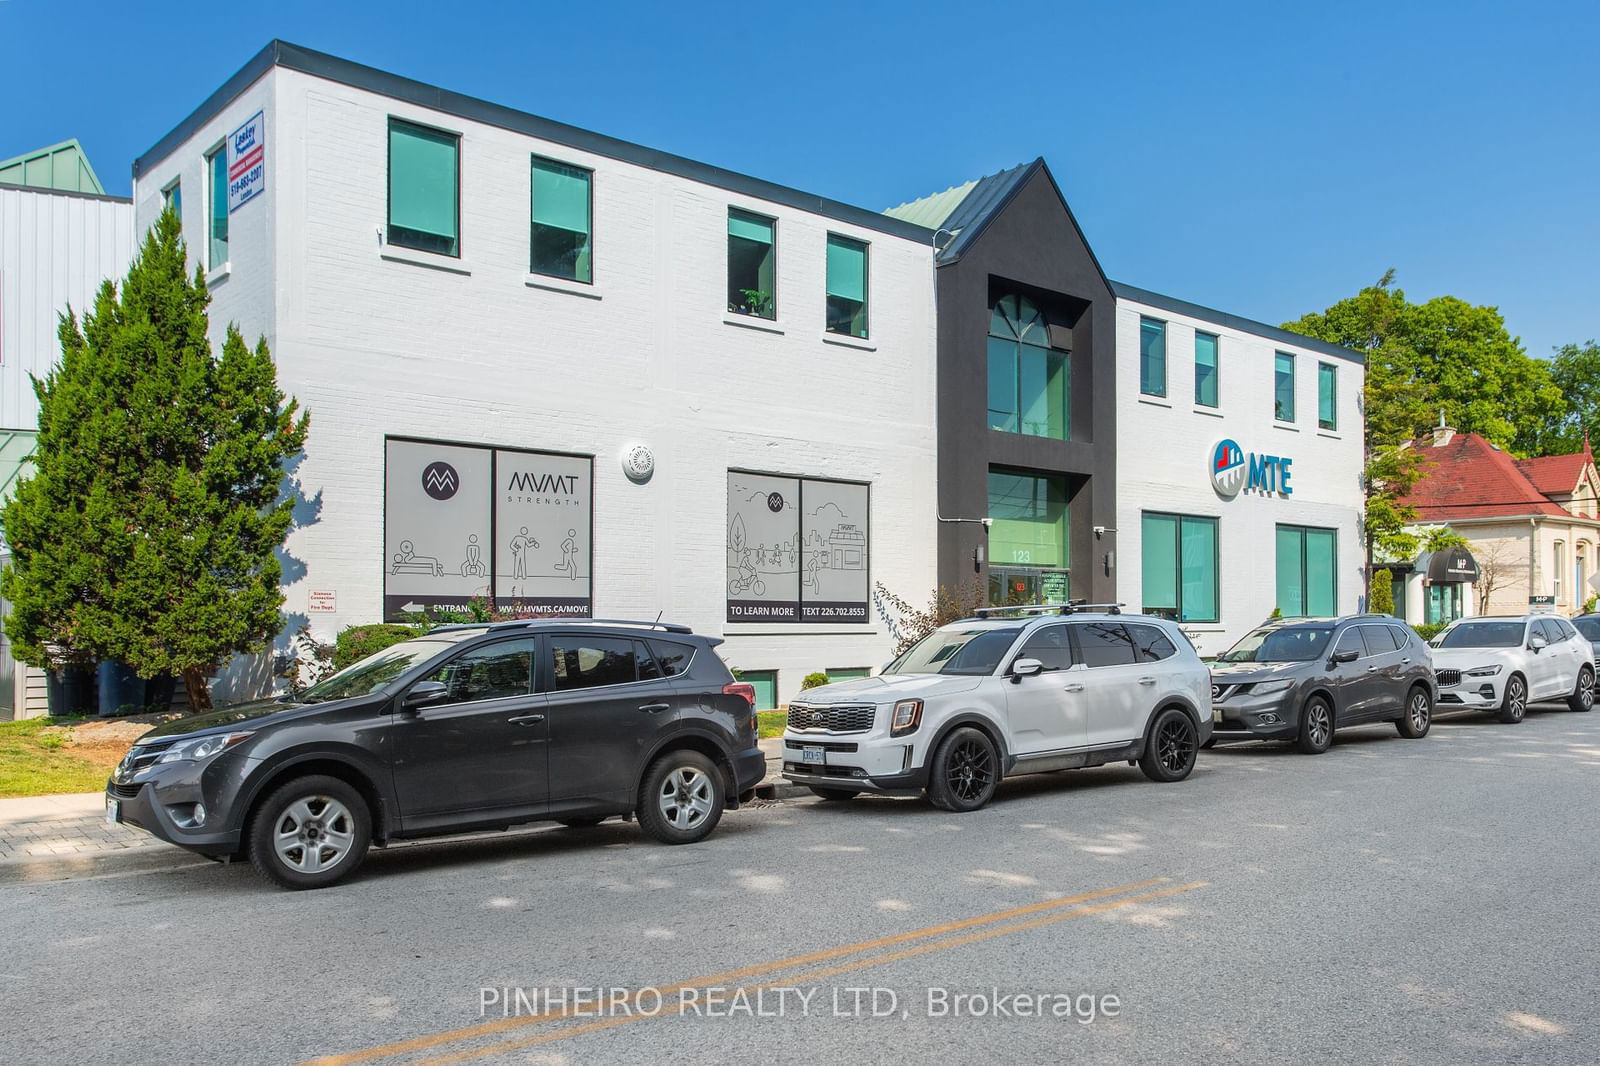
(148, 532)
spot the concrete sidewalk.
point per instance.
(72, 826)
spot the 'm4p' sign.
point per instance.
(247, 162)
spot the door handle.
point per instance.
(656, 708)
(1147, 681)
(1075, 687)
(1372, 669)
(1406, 661)
(527, 719)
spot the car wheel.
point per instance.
(835, 795)
(1417, 717)
(965, 771)
(1515, 704)
(581, 823)
(1170, 751)
(1582, 698)
(681, 801)
(1316, 727)
(310, 833)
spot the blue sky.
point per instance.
(1262, 158)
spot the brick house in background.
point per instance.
(1533, 526)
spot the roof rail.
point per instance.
(513, 623)
(1070, 607)
(669, 627)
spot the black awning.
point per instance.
(1452, 565)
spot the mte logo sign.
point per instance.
(440, 480)
(1234, 470)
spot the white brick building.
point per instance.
(460, 343)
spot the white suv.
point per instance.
(995, 696)
(1502, 664)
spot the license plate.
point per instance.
(813, 755)
(113, 811)
(1216, 715)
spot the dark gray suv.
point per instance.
(466, 728)
(1300, 679)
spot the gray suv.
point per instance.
(1300, 679)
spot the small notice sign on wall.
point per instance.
(321, 602)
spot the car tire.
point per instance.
(1171, 748)
(1515, 703)
(681, 800)
(581, 823)
(310, 832)
(1316, 727)
(1416, 717)
(1582, 698)
(835, 795)
(964, 771)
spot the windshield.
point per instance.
(957, 651)
(1589, 627)
(375, 671)
(1297, 644)
(1483, 635)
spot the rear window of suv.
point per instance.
(1589, 627)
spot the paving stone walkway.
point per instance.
(67, 825)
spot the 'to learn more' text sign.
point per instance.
(247, 162)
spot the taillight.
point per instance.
(741, 688)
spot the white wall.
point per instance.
(1164, 448)
(374, 344)
(55, 250)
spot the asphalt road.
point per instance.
(1390, 901)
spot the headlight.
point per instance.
(907, 716)
(1484, 671)
(1267, 688)
(202, 747)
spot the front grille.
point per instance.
(139, 757)
(847, 719)
(126, 792)
(1448, 677)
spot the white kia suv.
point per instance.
(1005, 693)
(1503, 664)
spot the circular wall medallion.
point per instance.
(638, 462)
(1227, 468)
(440, 480)
(774, 501)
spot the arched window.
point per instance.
(1028, 380)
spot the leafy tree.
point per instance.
(1575, 369)
(148, 533)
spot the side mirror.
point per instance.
(1538, 643)
(1346, 656)
(425, 693)
(1025, 668)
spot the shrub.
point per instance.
(908, 624)
(1382, 593)
(1428, 631)
(355, 643)
(815, 679)
(1589, 604)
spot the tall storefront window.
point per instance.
(1327, 396)
(752, 264)
(1307, 571)
(1028, 380)
(217, 228)
(1028, 546)
(1444, 603)
(1205, 369)
(1152, 357)
(1180, 567)
(798, 549)
(847, 286)
(560, 244)
(424, 187)
(1283, 387)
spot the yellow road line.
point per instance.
(550, 1037)
(471, 1032)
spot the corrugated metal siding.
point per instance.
(55, 250)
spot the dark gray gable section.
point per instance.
(1243, 325)
(356, 75)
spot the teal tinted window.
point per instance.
(1152, 357)
(1307, 560)
(1283, 387)
(1205, 369)
(1029, 514)
(1180, 567)
(765, 683)
(560, 243)
(846, 287)
(424, 188)
(1029, 386)
(752, 264)
(217, 229)
(172, 196)
(1327, 396)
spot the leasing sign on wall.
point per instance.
(247, 162)
(797, 549)
(465, 522)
